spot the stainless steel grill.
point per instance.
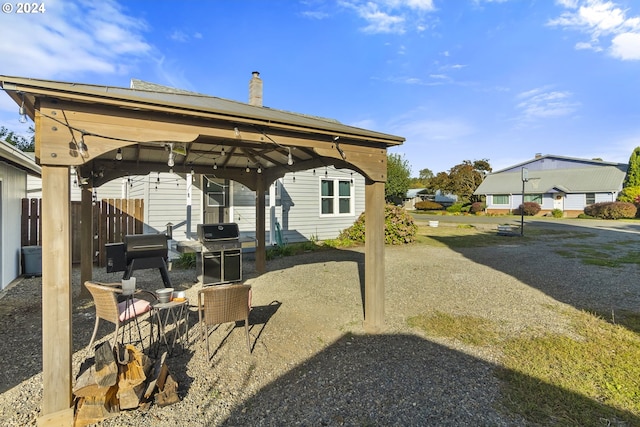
(220, 260)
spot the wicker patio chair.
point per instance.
(119, 313)
(222, 304)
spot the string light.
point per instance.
(289, 158)
(23, 112)
(259, 169)
(215, 165)
(82, 147)
(119, 154)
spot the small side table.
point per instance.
(172, 316)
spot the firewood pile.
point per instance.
(121, 378)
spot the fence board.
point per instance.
(112, 220)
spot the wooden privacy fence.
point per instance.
(112, 220)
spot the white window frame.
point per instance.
(493, 198)
(223, 193)
(587, 197)
(336, 196)
(534, 197)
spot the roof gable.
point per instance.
(549, 161)
(595, 178)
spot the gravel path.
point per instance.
(311, 363)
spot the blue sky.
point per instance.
(459, 79)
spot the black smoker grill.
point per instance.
(138, 252)
(220, 260)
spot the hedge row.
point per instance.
(611, 210)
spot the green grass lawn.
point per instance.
(591, 378)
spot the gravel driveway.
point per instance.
(311, 364)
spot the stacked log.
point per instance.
(108, 384)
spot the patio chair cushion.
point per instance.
(128, 311)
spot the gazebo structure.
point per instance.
(109, 132)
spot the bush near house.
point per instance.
(455, 208)
(529, 208)
(477, 207)
(629, 194)
(399, 227)
(427, 205)
(611, 210)
(557, 213)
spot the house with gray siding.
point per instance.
(309, 205)
(554, 182)
(15, 166)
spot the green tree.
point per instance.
(633, 171)
(18, 141)
(398, 178)
(463, 179)
(441, 182)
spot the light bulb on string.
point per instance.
(119, 154)
(289, 158)
(22, 112)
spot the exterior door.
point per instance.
(558, 201)
(216, 199)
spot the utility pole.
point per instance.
(525, 178)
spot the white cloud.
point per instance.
(542, 103)
(390, 16)
(604, 22)
(315, 14)
(626, 46)
(445, 129)
(179, 36)
(75, 37)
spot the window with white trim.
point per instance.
(500, 199)
(533, 198)
(590, 198)
(335, 197)
(216, 193)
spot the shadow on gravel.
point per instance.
(568, 262)
(386, 380)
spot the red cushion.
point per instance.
(130, 309)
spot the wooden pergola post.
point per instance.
(56, 296)
(374, 257)
(261, 250)
(86, 240)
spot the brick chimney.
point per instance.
(538, 155)
(255, 90)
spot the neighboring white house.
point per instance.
(15, 166)
(415, 195)
(308, 205)
(554, 182)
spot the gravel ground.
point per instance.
(311, 363)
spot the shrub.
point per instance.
(529, 208)
(455, 208)
(557, 213)
(611, 210)
(399, 227)
(427, 205)
(629, 194)
(186, 260)
(477, 207)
